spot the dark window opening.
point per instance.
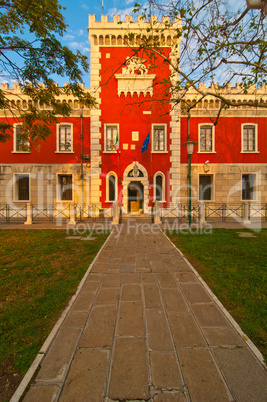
(23, 188)
(65, 182)
(205, 187)
(248, 185)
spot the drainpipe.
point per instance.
(81, 162)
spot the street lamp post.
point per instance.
(189, 147)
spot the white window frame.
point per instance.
(212, 199)
(255, 186)
(107, 186)
(212, 138)
(163, 186)
(256, 138)
(27, 143)
(106, 126)
(15, 187)
(58, 151)
(58, 187)
(154, 125)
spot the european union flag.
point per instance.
(145, 143)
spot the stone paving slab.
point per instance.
(43, 393)
(129, 373)
(158, 333)
(165, 371)
(87, 376)
(204, 381)
(144, 328)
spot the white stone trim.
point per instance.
(127, 180)
(15, 189)
(212, 138)
(256, 138)
(159, 173)
(154, 125)
(57, 138)
(95, 126)
(107, 186)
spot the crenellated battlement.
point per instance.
(17, 100)
(128, 19)
(17, 87)
(235, 94)
(116, 32)
(228, 88)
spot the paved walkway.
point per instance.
(144, 327)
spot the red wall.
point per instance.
(227, 140)
(46, 154)
(128, 112)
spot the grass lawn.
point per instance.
(235, 268)
(39, 272)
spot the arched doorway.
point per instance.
(140, 188)
(135, 197)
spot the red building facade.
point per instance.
(132, 143)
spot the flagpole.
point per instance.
(119, 163)
(151, 167)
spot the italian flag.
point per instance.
(117, 143)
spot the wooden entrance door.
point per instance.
(135, 197)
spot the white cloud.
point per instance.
(82, 46)
(68, 37)
(85, 6)
(122, 13)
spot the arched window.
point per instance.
(159, 187)
(111, 189)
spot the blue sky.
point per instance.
(76, 16)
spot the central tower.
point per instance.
(129, 63)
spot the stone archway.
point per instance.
(139, 186)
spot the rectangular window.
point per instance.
(205, 188)
(65, 187)
(64, 138)
(22, 187)
(111, 138)
(248, 186)
(159, 138)
(249, 138)
(21, 141)
(205, 139)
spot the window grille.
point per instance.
(112, 188)
(23, 188)
(159, 188)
